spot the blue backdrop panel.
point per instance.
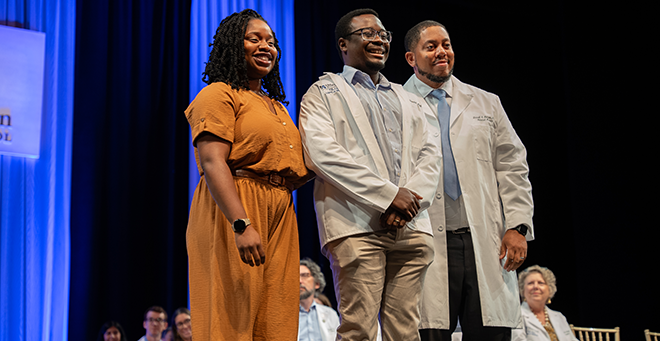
(35, 194)
(205, 17)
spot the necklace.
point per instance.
(547, 319)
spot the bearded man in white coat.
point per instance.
(482, 214)
(377, 170)
(316, 321)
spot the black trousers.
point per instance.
(464, 303)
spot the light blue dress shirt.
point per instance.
(309, 329)
(383, 110)
(455, 212)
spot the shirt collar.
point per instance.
(425, 90)
(312, 307)
(353, 75)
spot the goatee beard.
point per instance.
(435, 79)
(305, 294)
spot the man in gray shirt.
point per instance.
(377, 170)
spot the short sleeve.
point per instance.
(214, 111)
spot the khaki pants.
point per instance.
(380, 272)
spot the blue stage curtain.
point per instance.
(35, 193)
(206, 15)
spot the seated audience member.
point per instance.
(322, 299)
(111, 331)
(155, 322)
(168, 334)
(537, 286)
(181, 329)
(317, 322)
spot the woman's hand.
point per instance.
(249, 247)
(213, 153)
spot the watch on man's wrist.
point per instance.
(239, 225)
(522, 229)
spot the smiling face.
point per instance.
(366, 56)
(535, 290)
(433, 57)
(260, 50)
(182, 322)
(112, 334)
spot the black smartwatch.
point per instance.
(239, 225)
(522, 229)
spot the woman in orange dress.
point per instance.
(242, 235)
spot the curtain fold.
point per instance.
(35, 193)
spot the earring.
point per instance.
(549, 301)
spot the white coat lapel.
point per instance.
(460, 101)
(357, 110)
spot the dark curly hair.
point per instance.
(227, 59)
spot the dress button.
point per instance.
(283, 123)
(291, 146)
(202, 119)
(440, 229)
(438, 195)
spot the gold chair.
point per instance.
(595, 334)
(651, 336)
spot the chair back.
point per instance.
(651, 336)
(596, 334)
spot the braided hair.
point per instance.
(227, 62)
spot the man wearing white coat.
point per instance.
(316, 321)
(377, 171)
(482, 214)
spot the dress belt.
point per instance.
(272, 178)
(462, 230)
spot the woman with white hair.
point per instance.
(537, 286)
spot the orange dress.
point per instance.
(229, 299)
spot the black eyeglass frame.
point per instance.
(361, 30)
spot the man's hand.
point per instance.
(392, 219)
(249, 247)
(514, 247)
(406, 202)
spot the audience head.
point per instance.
(537, 285)
(111, 331)
(229, 63)
(181, 325)
(168, 334)
(155, 321)
(312, 279)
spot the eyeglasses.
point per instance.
(153, 320)
(369, 34)
(183, 323)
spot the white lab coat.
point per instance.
(352, 188)
(532, 329)
(492, 170)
